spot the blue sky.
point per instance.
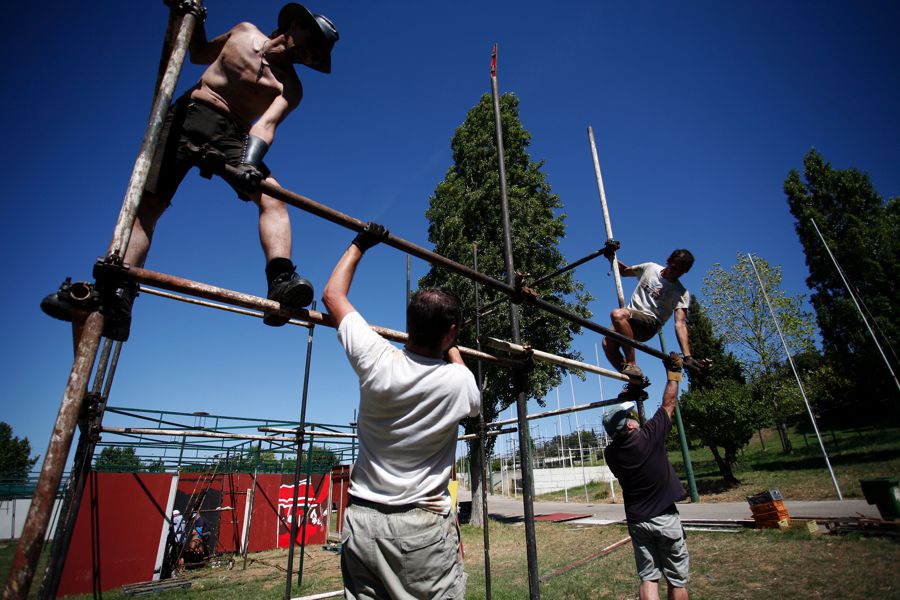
(700, 110)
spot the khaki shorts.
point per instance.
(400, 555)
(660, 549)
(643, 326)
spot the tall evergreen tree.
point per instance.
(464, 213)
(862, 231)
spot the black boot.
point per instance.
(286, 288)
(117, 312)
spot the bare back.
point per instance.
(243, 83)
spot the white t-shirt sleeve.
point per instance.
(471, 393)
(363, 346)
(685, 301)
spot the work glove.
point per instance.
(372, 235)
(673, 367)
(610, 248)
(697, 366)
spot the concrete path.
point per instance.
(503, 507)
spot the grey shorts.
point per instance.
(400, 555)
(643, 326)
(660, 549)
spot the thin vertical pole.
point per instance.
(408, 258)
(797, 376)
(682, 441)
(485, 517)
(580, 447)
(522, 410)
(562, 462)
(304, 396)
(853, 297)
(251, 501)
(606, 220)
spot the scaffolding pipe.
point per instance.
(211, 292)
(614, 261)
(812, 417)
(303, 401)
(28, 550)
(485, 518)
(217, 306)
(856, 303)
(521, 407)
(552, 358)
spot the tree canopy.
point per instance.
(861, 230)
(15, 456)
(464, 212)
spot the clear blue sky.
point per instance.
(700, 110)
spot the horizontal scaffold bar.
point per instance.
(551, 358)
(193, 433)
(474, 436)
(216, 305)
(354, 224)
(211, 292)
(560, 411)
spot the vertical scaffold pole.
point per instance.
(521, 408)
(482, 439)
(682, 441)
(787, 351)
(606, 220)
(28, 550)
(305, 395)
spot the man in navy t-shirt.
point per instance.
(650, 488)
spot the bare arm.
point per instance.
(681, 331)
(625, 270)
(670, 398)
(338, 286)
(454, 356)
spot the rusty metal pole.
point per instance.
(28, 550)
(606, 220)
(521, 408)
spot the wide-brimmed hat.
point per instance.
(615, 418)
(321, 27)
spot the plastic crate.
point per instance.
(883, 492)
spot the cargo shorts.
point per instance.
(400, 554)
(660, 549)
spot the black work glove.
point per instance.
(610, 248)
(372, 235)
(249, 176)
(673, 367)
(695, 366)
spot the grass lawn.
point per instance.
(747, 565)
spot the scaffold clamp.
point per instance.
(184, 7)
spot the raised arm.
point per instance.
(626, 271)
(338, 286)
(673, 374)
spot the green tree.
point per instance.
(117, 460)
(861, 230)
(741, 318)
(464, 211)
(15, 456)
(724, 417)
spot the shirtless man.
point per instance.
(248, 89)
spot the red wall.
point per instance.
(125, 529)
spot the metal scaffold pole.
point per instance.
(31, 542)
(521, 407)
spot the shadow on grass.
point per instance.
(713, 486)
(813, 461)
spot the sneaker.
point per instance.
(631, 370)
(117, 312)
(291, 291)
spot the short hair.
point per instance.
(430, 314)
(682, 255)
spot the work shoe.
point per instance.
(631, 370)
(291, 291)
(117, 312)
(633, 392)
(69, 299)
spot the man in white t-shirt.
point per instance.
(399, 538)
(658, 295)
